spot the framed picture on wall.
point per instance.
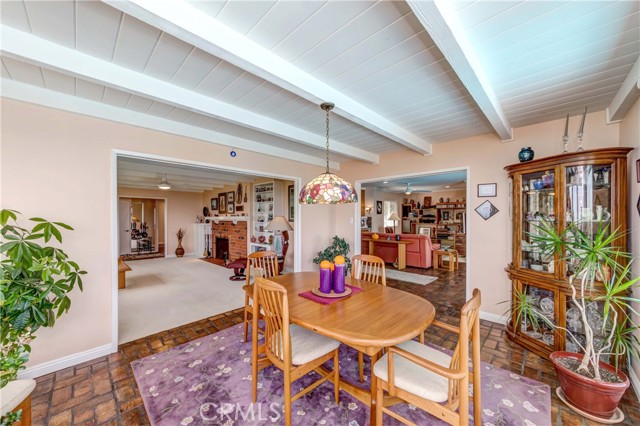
(222, 202)
(427, 202)
(292, 203)
(378, 207)
(487, 189)
(214, 204)
(231, 207)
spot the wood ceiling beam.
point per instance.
(441, 22)
(36, 95)
(27, 47)
(626, 96)
(191, 25)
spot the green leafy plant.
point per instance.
(338, 247)
(593, 256)
(36, 281)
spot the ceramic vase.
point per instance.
(179, 249)
(525, 154)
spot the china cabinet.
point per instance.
(587, 188)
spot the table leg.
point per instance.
(402, 256)
(374, 385)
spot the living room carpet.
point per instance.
(208, 381)
(408, 277)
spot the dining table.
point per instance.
(369, 320)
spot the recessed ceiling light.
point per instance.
(386, 181)
(448, 186)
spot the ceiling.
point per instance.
(250, 75)
(449, 181)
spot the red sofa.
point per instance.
(419, 254)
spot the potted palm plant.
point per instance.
(602, 311)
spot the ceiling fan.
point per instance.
(408, 189)
(164, 184)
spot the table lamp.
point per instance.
(394, 217)
(279, 224)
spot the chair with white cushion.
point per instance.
(367, 268)
(293, 349)
(432, 380)
(259, 264)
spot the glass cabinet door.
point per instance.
(542, 302)
(538, 210)
(588, 199)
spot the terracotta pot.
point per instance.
(179, 249)
(595, 397)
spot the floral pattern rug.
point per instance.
(208, 382)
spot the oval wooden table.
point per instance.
(368, 321)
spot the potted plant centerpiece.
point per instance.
(601, 306)
(338, 247)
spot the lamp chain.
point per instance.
(327, 141)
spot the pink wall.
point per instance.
(182, 210)
(630, 136)
(58, 165)
(488, 242)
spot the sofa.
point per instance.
(419, 254)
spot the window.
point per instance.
(389, 207)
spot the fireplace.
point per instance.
(222, 248)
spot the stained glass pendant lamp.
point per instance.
(328, 188)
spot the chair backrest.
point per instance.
(469, 328)
(368, 268)
(272, 298)
(266, 262)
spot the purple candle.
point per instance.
(325, 280)
(338, 278)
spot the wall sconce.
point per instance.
(234, 222)
(216, 221)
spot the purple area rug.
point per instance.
(208, 382)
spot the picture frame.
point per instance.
(445, 215)
(427, 202)
(487, 190)
(637, 171)
(292, 200)
(214, 204)
(378, 207)
(231, 207)
(222, 202)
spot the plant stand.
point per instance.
(618, 416)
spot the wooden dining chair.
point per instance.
(368, 268)
(293, 349)
(432, 380)
(263, 264)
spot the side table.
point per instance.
(438, 259)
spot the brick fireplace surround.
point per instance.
(237, 235)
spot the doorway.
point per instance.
(141, 225)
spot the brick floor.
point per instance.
(104, 392)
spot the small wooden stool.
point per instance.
(122, 269)
(438, 259)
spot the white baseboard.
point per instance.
(500, 319)
(64, 362)
(635, 382)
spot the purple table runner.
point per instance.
(328, 300)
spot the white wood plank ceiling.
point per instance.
(251, 74)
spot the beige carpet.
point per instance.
(166, 293)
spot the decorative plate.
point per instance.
(547, 305)
(262, 239)
(253, 239)
(332, 295)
